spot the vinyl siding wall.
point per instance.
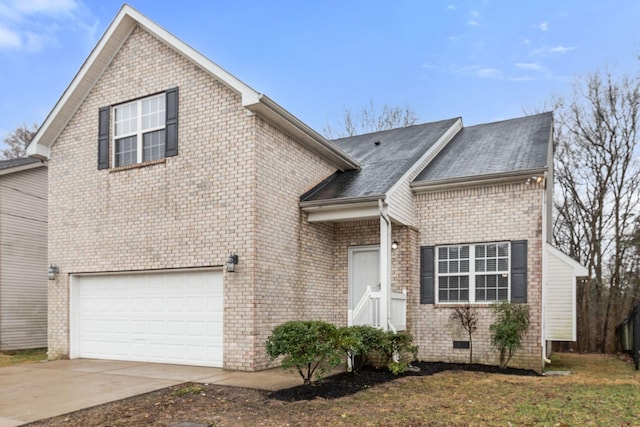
(23, 259)
(560, 300)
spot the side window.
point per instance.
(474, 273)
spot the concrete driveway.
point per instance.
(36, 391)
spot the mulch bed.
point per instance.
(347, 383)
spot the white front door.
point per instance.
(364, 270)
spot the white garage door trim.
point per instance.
(168, 316)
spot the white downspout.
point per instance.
(385, 266)
(543, 323)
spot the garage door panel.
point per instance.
(156, 317)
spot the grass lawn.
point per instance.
(22, 356)
(601, 391)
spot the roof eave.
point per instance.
(24, 167)
(478, 180)
(271, 111)
(344, 202)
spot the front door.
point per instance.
(364, 270)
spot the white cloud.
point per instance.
(9, 39)
(489, 73)
(47, 7)
(31, 25)
(543, 26)
(452, 7)
(534, 66)
(541, 51)
(475, 14)
(473, 23)
(561, 49)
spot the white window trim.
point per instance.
(139, 131)
(471, 273)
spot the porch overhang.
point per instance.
(353, 209)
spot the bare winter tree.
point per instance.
(17, 142)
(598, 184)
(368, 119)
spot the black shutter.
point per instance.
(519, 271)
(171, 123)
(103, 137)
(427, 275)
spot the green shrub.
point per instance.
(309, 346)
(357, 342)
(507, 332)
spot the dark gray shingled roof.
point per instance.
(382, 164)
(6, 164)
(493, 148)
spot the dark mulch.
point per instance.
(347, 383)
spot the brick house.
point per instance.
(162, 164)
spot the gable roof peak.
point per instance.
(108, 46)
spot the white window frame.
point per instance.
(472, 273)
(139, 132)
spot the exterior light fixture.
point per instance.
(394, 245)
(52, 272)
(534, 179)
(232, 261)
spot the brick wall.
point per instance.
(190, 210)
(481, 214)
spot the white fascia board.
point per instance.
(21, 168)
(39, 151)
(281, 118)
(343, 212)
(478, 180)
(578, 269)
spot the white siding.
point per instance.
(560, 296)
(400, 196)
(23, 259)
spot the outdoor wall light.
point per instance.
(52, 272)
(232, 261)
(394, 245)
(534, 179)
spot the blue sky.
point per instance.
(482, 60)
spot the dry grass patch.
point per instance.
(602, 391)
(18, 357)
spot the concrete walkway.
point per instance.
(36, 391)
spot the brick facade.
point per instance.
(235, 186)
(482, 214)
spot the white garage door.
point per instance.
(165, 317)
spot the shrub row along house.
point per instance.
(190, 215)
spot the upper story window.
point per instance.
(473, 273)
(143, 130)
(139, 130)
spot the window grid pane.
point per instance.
(153, 112)
(126, 151)
(126, 119)
(153, 145)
